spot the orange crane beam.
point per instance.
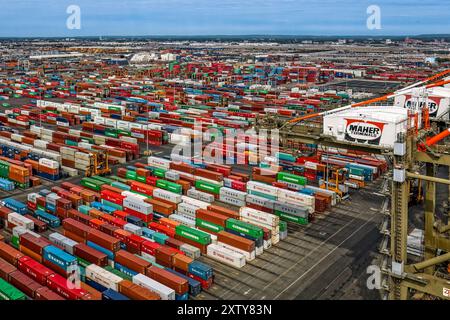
(382, 98)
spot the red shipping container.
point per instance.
(150, 247)
(239, 185)
(59, 285)
(34, 270)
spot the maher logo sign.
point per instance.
(364, 132)
(433, 104)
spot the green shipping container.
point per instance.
(208, 225)
(160, 238)
(356, 171)
(71, 143)
(88, 140)
(22, 185)
(123, 132)
(283, 226)
(15, 241)
(118, 179)
(4, 169)
(118, 273)
(291, 218)
(244, 227)
(121, 186)
(91, 184)
(114, 108)
(262, 195)
(9, 292)
(291, 178)
(112, 204)
(193, 234)
(141, 194)
(285, 156)
(131, 175)
(84, 209)
(169, 186)
(141, 178)
(207, 186)
(103, 179)
(158, 172)
(83, 263)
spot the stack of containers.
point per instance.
(293, 181)
(248, 231)
(194, 237)
(19, 175)
(67, 157)
(263, 220)
(233, 197)
(48, 169)
(82, 161)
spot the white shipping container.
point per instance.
(377, 126)
(436, 99)
(187, 209)
(267, 244)
(48, 163)
(194, 202)
(133, 229)
(139, 206)
(185, 220)
(231, 200)
(273, 229)
(276, 238)
(233, 193)
(172, 175)
(19, 230)
(82, 156)
(41, 144)
(296, 197)
(225, 255)
(293, 209)
(260, 216)
(62, 241)
(200, 195)
(262, 187)
(159, 162)
(249, 256)
(51, 198)
(190, 251)
(85, 145)
(180, 139)
(164, 292)
(260, 201)
(16, 137)
(103, 277)
(259, 250)
(31, 197)
(167, 195)
(129, 194)
(227, 182)
(311, 165)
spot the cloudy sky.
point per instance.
(225, 17)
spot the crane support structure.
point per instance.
(405, 280)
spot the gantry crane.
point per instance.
(419, 145)
(98, 163)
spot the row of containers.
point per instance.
(131, 227)
(113, 257)
(48, 154)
